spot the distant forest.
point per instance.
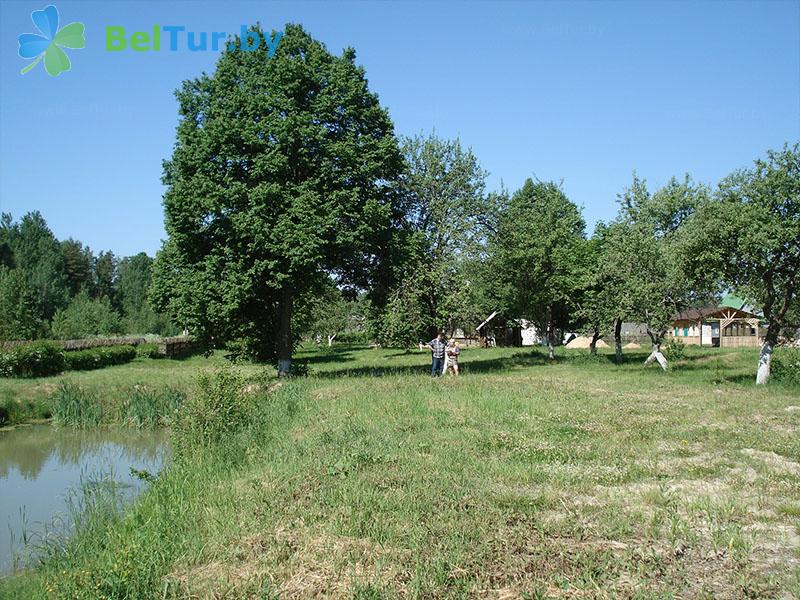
(63, 290)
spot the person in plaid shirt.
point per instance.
(438, 347)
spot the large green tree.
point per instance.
(536, 253)
(283, 168)
(750, 236)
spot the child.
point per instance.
(453, 351)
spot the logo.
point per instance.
(49, 45)
(194, 41)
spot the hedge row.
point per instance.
(79, 344)
(97, 358)
(35, 359)
(40, 359)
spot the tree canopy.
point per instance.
(536, 254)
(283, 168)
(748, 239)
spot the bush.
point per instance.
(37, 359)
(353, 337)
(97, 358)
(299, 368)
(786, 365)
(674, 349)
(218, 410)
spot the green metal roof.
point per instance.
(732, 301)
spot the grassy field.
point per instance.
(523, 478)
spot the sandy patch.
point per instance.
(585, 342)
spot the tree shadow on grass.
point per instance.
(324, 355)
(489, 365)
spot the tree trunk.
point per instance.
(618, 339)
(284, 331)
(656, 355)
(550, 351)
(765, 360)
(330, 340)
(593, 345)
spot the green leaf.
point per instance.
(71, 36)
(55, 60)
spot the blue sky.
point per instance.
(583, 92)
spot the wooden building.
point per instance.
(723, 326)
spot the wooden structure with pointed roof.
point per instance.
(722, 326)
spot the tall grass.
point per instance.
(149, 407)
(75, 406)
(143, 406)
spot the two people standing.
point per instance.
(444, 355)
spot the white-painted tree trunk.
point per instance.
(764, 364)
(284, 367)
(330, 340)
(656, 355)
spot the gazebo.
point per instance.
(722, 326)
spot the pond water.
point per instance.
(42, 467)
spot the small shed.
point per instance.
(722, 326)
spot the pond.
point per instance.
(42, 467)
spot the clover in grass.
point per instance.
(49, 45)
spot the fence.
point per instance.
(178, 347)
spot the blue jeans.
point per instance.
(437, 366)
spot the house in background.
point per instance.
(722, 326)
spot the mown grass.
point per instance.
(522, 478)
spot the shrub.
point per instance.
(353, 337)
(73, 405)
(674, 349)
(299, 368)
(97, 358)
(37, 359)
(786, 365)
(218, 409)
